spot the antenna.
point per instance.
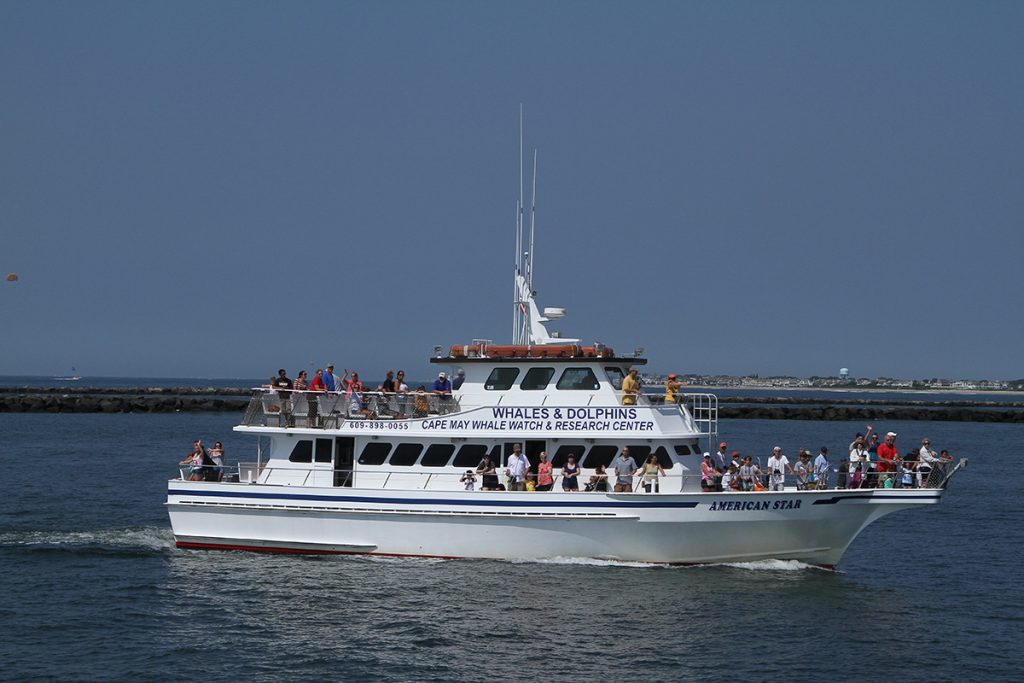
(533, 215)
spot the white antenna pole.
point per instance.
(533, 215)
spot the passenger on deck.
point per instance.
(803, 470)
(217, 456)
(843, 475)
(460, 377)
(516, 468)
(736, 460)
(196, 460)
(649, 474)
(354, 395)
(926, 461)
(630, 388)
(778, 465)
(858, 467)
(708, 475)
(313, 403)
(488, 474)
(819, 474)
(673, 389)
(598, 480)
(544, 479)
(888, 456)
(625, 468)
(469, 478)
(908, 468)
(730, 480)
(330, 380)
(421, 404)
(748, 471)
(300, 383)
(570, 472)
(283, 385)
(721, 459)
(443, 391)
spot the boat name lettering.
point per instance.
(735, 505)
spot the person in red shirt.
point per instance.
(887, 454)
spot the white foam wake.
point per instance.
(132, 538)
(771, 565)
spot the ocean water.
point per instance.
(94, 589)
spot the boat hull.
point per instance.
(815, 527)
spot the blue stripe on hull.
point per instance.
(434, 501)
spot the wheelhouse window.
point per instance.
(683, 449)
(406, 454)
(501, 379)
(663, 458)
(600, 455)
(437, 455)
(615, 376)
(470, 455)
(578, 379)
(537, 379)
(302, 452)
(374, 453)
(323, 450)
(563, 453)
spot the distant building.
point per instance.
(844, 373)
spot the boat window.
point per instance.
(470, 455)
(615, 376)
(501, 379)
(682, 449)
(663, 458)
(563, 453)
(600, 455)
(405, 454)
(374, 453)
(302, 452)
(437, 455)
(536, 379)
(639, 453)
(323, 450)
(578, 378)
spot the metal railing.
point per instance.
(328, 409)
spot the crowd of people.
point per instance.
(520, 475)
(398, 399)
(872, 463)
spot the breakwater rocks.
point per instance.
(214, 399)
(122, 400)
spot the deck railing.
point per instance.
(381, 477)
(322, 410)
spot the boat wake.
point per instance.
(772, 565)
(115, 541)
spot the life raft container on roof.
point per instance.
(462, 351)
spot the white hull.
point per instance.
(814, 527)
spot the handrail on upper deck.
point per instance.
(324, 409)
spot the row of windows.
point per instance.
(470, 455)
(537, 379)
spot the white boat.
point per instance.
(73, 377)
(379, 473)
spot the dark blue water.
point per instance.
(93, 588)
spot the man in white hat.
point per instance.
(443, 391)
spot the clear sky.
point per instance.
(219, 189)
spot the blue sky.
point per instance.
(221, 189)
